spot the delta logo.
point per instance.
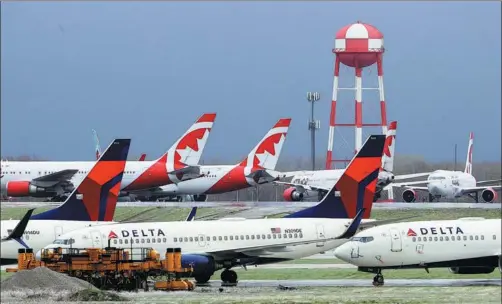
(436, 231)
(411, 232)
(112, 235)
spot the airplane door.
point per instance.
(202, 240)
(395, 241)
(320, 235)
(96, 239)
(58, 231)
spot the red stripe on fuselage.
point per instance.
(155, 176)
(231, 181)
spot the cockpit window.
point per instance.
(64, 241)
(362, 239)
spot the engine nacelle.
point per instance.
(25, 188)
(200, 198)
(409, 196)
(292, 195)
(203, 266)
(471, 270)
(489, 195)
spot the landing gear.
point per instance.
(203, 279)
(229, 277)
(378, 280)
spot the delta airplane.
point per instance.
(308, 183)
(142, 157)
(222, 244)
(256, 169)
(466, 246)
(453, 184)
(55, 179)
(92, 203)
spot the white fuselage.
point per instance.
(425, 242)
(38, 234)
(229, 235)
(29, 170)
(449, 184)
(217, 179)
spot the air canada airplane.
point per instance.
(309, 183)
(222, 244)
(54, 179)
(466, 246)
(453, 184)
(92, 203)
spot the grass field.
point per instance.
(176, 214)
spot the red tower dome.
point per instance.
(357, 46)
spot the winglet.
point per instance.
(18, 231)
(354, 225)
(191, 215)
(95, 199)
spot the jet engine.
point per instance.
(200, 198)
(25, 188)
(471, 270)
(203, 266)
(489, 195)
(409, 196)
(291, 194)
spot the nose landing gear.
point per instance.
(378, 280)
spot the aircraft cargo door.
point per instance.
(395, 240)
(320, 235)
(96, 239)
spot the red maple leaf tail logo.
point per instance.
(411, 232)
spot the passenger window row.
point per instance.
(208, 238)
(452, 238)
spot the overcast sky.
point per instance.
(147, 70)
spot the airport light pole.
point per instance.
(312, 97)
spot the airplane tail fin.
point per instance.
(266, 153)
(96, 144)
(187, 150)
(390, 145)
(96, 197)
(142, 157)
(355, 189)
(468, 162)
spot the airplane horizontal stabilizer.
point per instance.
(188, 172)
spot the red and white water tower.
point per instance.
(357, 46)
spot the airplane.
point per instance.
(142, 157)
(91, 203)
(452, 184)
(211, 245)
(56, 179)
(256, 169)
(308, 183)
(466, 246)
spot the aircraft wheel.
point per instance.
(378, 280)
(229, 276)
(203, 279)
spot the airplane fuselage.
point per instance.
(452, 243)
(449, 184)
(37, 234)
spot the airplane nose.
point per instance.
(343, 252)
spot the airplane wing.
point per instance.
(488, 181)
(18, 231)
(54, 178)
(349, 232)
(475, 189)
(302, 188)
(409, 184)
(413, 175)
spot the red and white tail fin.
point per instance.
(96, 144)
(266, 153)
(468, 162)
(142, 157)
(187, 150)
(389, 147)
